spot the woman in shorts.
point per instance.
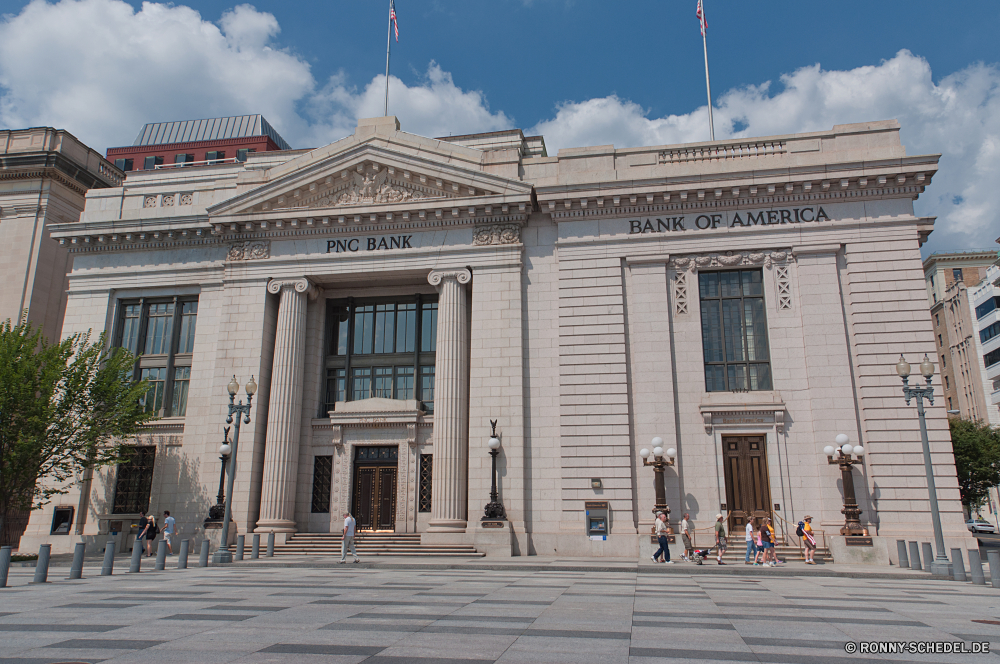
(767, 542)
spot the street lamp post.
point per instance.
(659, 463)
(223, 555)
(218, 510)
(494, 509)
(841, 455)
(940, 565)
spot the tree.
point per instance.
(64, 407)
(977, 459)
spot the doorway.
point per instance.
(748, 489)
(374, 499)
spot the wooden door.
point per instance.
(748, 490)
(364, 497)
(387, 498)
(375, 497)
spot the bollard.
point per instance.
(203, 558)
(76, 571)
(915, 556)
(993, 556)
(182, 557)
(241, 542)
(904, 562)
(109, 559)
(5, 564)
(42, 566)
(255, 548)
(976, 568)
(161, 556)
(928, 554)
(957, 565)
(136, 564)
(270, 544)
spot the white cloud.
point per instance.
(959, 117)
(101, 69)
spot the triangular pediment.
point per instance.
(397, 172)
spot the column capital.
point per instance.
(461, 275)
(301, 285)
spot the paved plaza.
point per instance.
(549, 612)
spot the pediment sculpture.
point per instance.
(368, 189)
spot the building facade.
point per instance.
(746, 301)
(984, 306)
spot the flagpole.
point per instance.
(388, 42)
(708, 85)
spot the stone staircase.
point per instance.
(371, 544)
(736, 553)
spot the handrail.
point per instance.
(188, 164)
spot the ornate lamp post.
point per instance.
(841, 455)
(659, 463)
(218, 510)
(494, 509)
(223, 555)
(940, 564)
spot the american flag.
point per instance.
(701, 18)
(395, 25)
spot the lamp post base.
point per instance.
(222, 557)
(941, 568)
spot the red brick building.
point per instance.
(194, 142)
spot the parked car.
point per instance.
(980, 526)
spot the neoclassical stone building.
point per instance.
(744, 300)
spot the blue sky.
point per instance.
(581, 72)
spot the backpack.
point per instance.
(799, 532)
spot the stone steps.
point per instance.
(371, 544)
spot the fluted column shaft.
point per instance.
(451, 408)
(284, 410)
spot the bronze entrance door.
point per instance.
(748, 491)
(374, 499)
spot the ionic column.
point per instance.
(284, 407)
(451, 404)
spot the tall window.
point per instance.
(322, 480)
(734, 331)
(426, 477)
(162, 332)
(381, 348)
(134, 481)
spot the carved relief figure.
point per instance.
(371, 188)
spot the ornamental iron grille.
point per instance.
(426, 476)
(322, 482)
(134, 481)
(369, 454)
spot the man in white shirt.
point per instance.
(686, 538)
(348, 541)
(751, 544)
(169, 530)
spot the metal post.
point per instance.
(255, 547)
(270, 544)
(915, 556)
(182, 557)
(940, 564)
(957, 565)
(109, 559)
(42, 567)
(5, 553)
(136, 563)
(901, 552)
(203, 558)
(993, 556)
(976, 568)
(76, 570)
(223, 555)
(928, 554)
(241, 544)
(161, 556)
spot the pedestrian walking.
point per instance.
(766, 541)
(686, 538)
(808, 540)
(144, 526)
(661, 537)
(348, 540)
(151, 532)
(751, 543)
(169, 530)
(758, 558)
(720, 538)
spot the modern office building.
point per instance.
(984, 300)
(744, 300)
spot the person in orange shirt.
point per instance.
(809, 541)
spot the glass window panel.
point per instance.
(406, 327)
(760, 376)
(752, 283)
(404, 382)
(383, 382)
(157, 377)
(708, 284)
(733, 331)
(756, 328)
(130, 328)
(711, 331)
(385, 316)
(340, 329)
(336, 387)
(182, 378)
(364, 323)
(427, 388)
(159, 328)
(428, 327)
(737, 374)
(189, 316)
(729, 283)
(715, 377)
(361, 387)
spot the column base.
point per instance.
(447, 526)
(276, 526)
(941, 568)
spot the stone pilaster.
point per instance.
(284, 414)
(451, 404)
